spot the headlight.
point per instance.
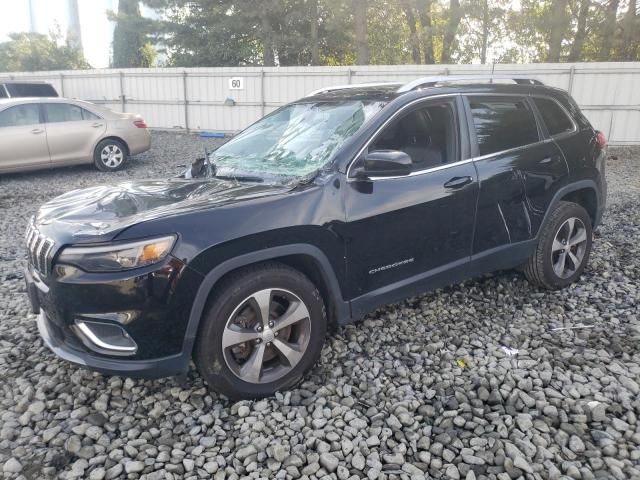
(117, 257)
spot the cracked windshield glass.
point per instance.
(293, 142)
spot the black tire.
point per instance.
(121, 154)
(234, 295)
(539, 270)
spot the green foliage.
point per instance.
(30, 52)
(131, 45)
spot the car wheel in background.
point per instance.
(563, 248)
(110, 155)
(263, 329)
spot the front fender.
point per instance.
(210, 279)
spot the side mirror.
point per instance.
(385, 163)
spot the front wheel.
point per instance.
(264, 328)
(563, 248)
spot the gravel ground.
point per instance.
(470, 382)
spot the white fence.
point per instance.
(194, 98)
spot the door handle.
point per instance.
(96, 125)
(458, 182)
(548, 160)
(36, 131)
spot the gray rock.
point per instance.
(12, 466)
(452, 472)
(133, 467)
(576, 445)
(329, 462)
(358, 461)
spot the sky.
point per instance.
(96, 30)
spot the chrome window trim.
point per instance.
(425, 171)
(386, 122)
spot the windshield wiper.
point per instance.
(241, 178)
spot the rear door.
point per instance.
(72, 132)
(519, 170)
(23, 142)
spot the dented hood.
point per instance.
(99, 213)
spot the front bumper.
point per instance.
(66, 348)
(149, 306)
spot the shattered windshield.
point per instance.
(294, 141)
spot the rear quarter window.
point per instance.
(502, 123)
(553, 116)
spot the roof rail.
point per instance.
(443, 79)
(351, 85)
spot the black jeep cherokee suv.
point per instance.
(327, 208)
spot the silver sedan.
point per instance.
(49, 132)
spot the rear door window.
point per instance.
(3, 92)
(20, 115)
(63, 112)
(553, 116)
(502, 123)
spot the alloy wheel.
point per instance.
(569, 247)
(266, 335)
(112, 156)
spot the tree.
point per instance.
(558, 26)
(424, 11)
(313, 24)
(608, 30)
(454, 15)
(131, 47)
(411, 22)
(581, 31)
(360, 28)
(30, 52)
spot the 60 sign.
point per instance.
(236, 83)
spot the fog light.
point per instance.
(105, 338)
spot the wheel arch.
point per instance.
(585, 197)
(112, 137)
(308, 259)
(583, 192)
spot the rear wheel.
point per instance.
(110, 155)
(563, 248)
(264, 328)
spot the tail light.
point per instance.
(601, 139)
(140, 124)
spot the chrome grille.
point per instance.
(39, 249)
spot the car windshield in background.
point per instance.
(31, 90)
(294, 141)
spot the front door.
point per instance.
(72, 132)
(23, 141)
(402, 230)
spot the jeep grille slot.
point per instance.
(39, 249)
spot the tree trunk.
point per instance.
(315, 49)
(413, 37)
(629, 38)
(485, 31)
(455, 15)
(558, 26)
(581, 32)
(608, 31)
(427, 32)
(360, 27)
(268, 58)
